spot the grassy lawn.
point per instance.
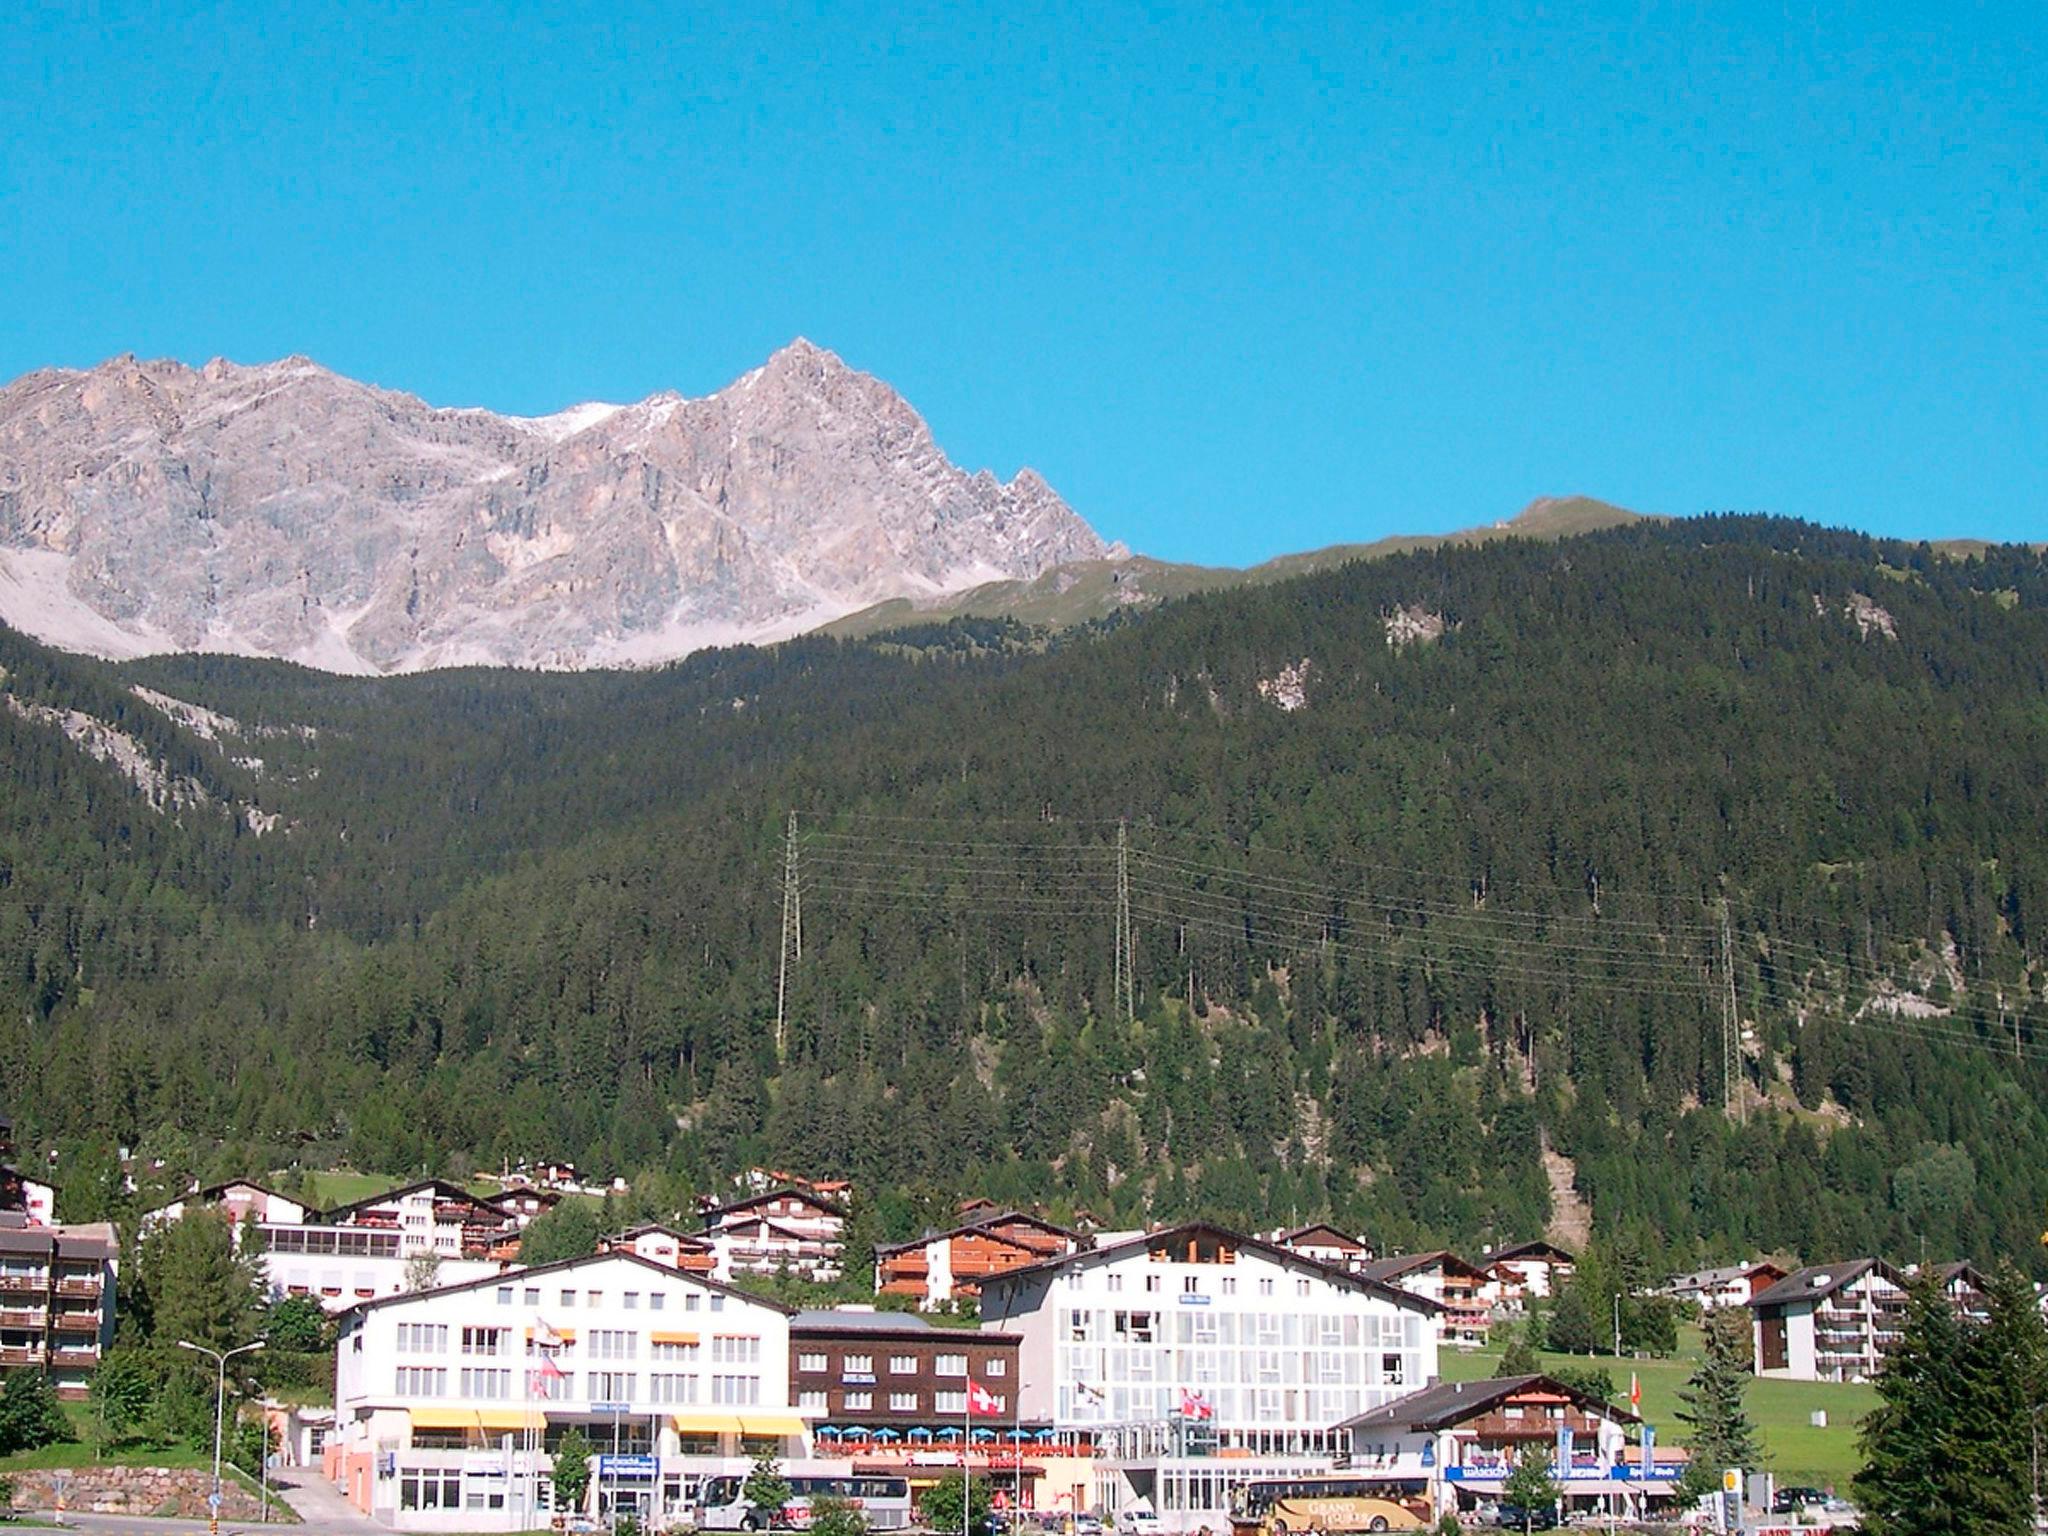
(340, 1186)
(1797, 1452)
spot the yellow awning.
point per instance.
(771, 1424)
(566, 1335)
(511, 1418)
(673, 1338)
(707, 1423)
(444, 1418)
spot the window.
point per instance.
(504, 1295)
(568, 1298)
(1230, 1285)
(1191, 1285)
(430, 1488)
(632, 1299)
(861, 1401)
(1265, 1285)
(422, 1381)
(1114, 1282)
(594, 1299)
(903, 1365)
(717, 1303)
(422, 1338)
(533, 1295)
(813, 1402)
(949, 1404)
(672, 1387)
(736, 1391)
(613, 1344)
(673, 1352)
(657, 1301)
(1301, 1287)
(903, 1402)
(1151, 1282)
(479, 1382)
(689, 1301)
(1134, 1326)
(611, 1386)
(1390, 1370)
(995, 1368)
(744, 1349)
(811, 1360)
(950, 1365)
(484, 1341)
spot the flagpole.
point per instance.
(966, 1465)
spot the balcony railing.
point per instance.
(75, 1322)
(78, 1285)
(21, 1282)
(21, 1356)
(68, 1356)
(21, 1317)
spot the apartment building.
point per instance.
(1197, 1358)
(1523, 1272)
(1460, 1288)
(943, 1266)
(1828, 1322)
(779, 1229)
(450, 1403)
(56, 1299)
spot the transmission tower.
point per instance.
(792, 930)
(1126, 981)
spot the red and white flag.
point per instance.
(981, 1403)
(1635, 1393)
(1195, 1406)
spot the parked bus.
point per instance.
(1296, 1506)
(722, 1503)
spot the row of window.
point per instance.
(656, 1301)
(1219, 1326)
(599, 1344)
(899, 1365)
(1193, 1285)
(944, 1404)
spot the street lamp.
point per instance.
(220, 1397)
(1617, 1325)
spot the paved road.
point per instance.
(320, 1507)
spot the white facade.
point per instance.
(448, 1401)
(1278, 1349)
(1828, 1322)
(783, 1230)
(1729, 1286)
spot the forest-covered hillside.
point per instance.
(1428, 862)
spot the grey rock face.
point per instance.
(283, 510)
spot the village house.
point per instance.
(1732, 1285)
(778, 1230)
(1327, 1245)
(56, 1299)
(1460, 1441)
(1828, 1322)
(1442, 1277)
(663, 1245)
(943, 1266)
(1525, 1271)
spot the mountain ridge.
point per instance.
(283, 509)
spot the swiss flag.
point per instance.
(981, 1403)
(1195, 1406)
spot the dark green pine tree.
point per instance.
(1902, 1489)
(1999, 1379)
(1715, 1407)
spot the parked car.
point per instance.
(1137, 1521)
(1790, 1501)
(1512, 1517)
(1087, 1525)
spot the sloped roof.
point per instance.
(1238, 1240)
(514, 1273)
(1533, 1250)
(1453, 1402)
(1338, 1238)
(1393, 1268)
(783, 1192)
(1818, 1281)
(440, 1187)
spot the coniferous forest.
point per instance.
(1445, 874)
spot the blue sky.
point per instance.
(1237, 280)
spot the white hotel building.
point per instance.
(449, 1403)
(1280, 1348)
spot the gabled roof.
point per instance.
(687, 1239)
(781, 1192)
(440, 1187)
(1702, 1279)
(1323, 1234)
(1818, 1281)
(1238, 1240)
(514, 1273)
(1534, 1250)
(1391, 1269)
(1452, 1402)
(1965, 1271)
(985, 1228)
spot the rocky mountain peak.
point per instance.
(281, 509)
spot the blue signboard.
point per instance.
(625, 1466)
(1190, 1299)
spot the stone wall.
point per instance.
(114, 1490)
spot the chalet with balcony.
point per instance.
(1731, 1285)
(1828, 1322)
(1328, 1245)
(1462, 1438)
(1525, 1271)
(241, 1199)
(1441, 1276)
(56, 1299)
(780, 1229)
(942, 1266)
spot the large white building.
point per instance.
(1197, 1358)
(1829, 1322)
(450, 1403)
